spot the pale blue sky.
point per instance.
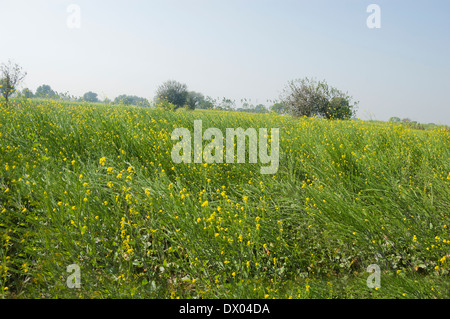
(239, 49)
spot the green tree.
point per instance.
(45, 92)
(338, 108)
(11, 75)
(173, 92)
(90, 97)
(194, 100)
(260, 108)
(27, 93)
(207, 103)
(197, 100)
(277, 108)
(66, 96)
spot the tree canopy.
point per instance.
(174, 92)
(45, 91)
(90, 97)
(308, 97)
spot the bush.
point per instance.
(307, 97)
(174, 92)
(394, 119)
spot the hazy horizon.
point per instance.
(238, 49)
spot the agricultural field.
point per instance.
(95, 186)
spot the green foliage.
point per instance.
(411, 124)
(90, 97)
(338, 108)
(197, 100)
(175, 93)
(166, 105)
(94, 185)
(27, 93)
(206, 103)
(260, 108)
(194, 100)
(278, 108)
(131, 100)
(46, 92)
(394, 119)
(172, 95)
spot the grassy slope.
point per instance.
(96, 186)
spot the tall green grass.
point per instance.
(95, 186)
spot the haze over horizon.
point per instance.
(238, 49)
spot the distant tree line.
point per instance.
(46, 92)
(301, 97)
(173, 95)
(408, 122)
